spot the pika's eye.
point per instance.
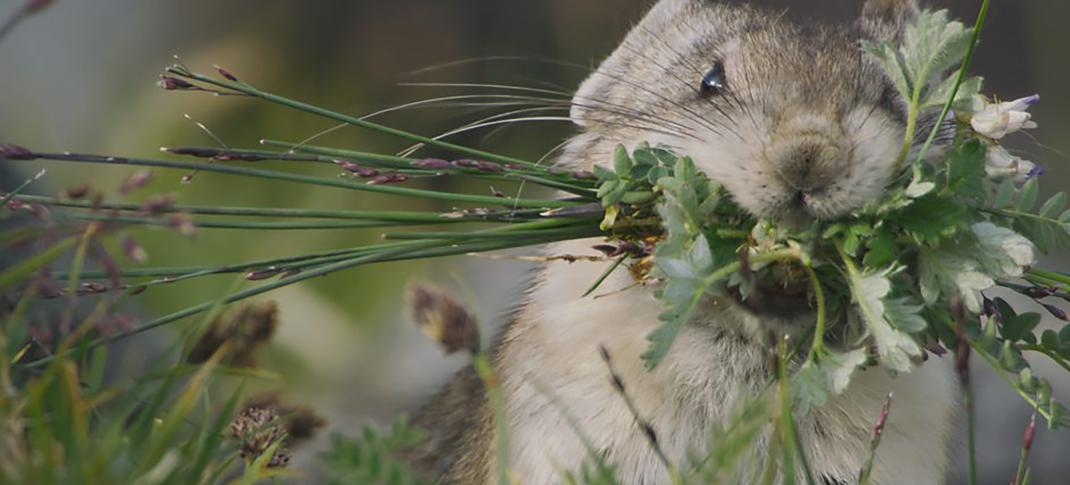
(714, 82)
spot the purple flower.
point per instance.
(171, 83)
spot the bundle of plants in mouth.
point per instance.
(889, 283)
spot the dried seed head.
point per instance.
(226, 74)
(431, 164)
(388, 178)
(76, 192)
(183, 223)
(248, 329)
(301, 423)
(34, 6)
(133, 251)
(1057, 312)
(15, 152)
(171, 83)
(257, 429)
(136, 181)
(1030, 434)
(466, 163)
(443, 319)
(489, 167)
(358, 170)
(157, 205)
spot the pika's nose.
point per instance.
(808, 163)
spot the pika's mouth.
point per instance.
(780, 300)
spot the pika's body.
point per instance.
(797, 124)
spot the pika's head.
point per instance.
(794, 120)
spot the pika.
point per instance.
(797, 123)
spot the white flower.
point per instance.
(1002, 164)
(998, 120)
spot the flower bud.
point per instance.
(388, 178)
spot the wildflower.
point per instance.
(443, 319)
(1002, 164)
(997, 120)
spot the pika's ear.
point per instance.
(886, 19)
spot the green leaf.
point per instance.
(1054, 206)
(1005, 197)
(882, 251)
(932, 218)
(1018, 327)
(1027, 197)
(897, 349)
(622, 163)
(966, 171)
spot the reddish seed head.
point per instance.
(133, 251)
(136, 181)
(157, 205)
(183, 223)
(15, 152)
(1030, 433)
(489, 167)
(466, 163)
(431, 164)
(1057, 312)
(76, 192)
(171, 83)
(198, 152)
(363, 172)
(388, 178)
(34, 6)
(226, 74)
(583, 175)
(261, 274)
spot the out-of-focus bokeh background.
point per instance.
(81, 76)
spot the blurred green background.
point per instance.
(80, 76)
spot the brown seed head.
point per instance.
(443, 319)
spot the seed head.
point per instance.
(226, 74)
(136, 181)
(388, 178)
(171, 83)
(258, 429)
(443, 319)
(431, 164)
(34, 6)
(76, 192)
(15, 152)
(363, 172)
(248, 329)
